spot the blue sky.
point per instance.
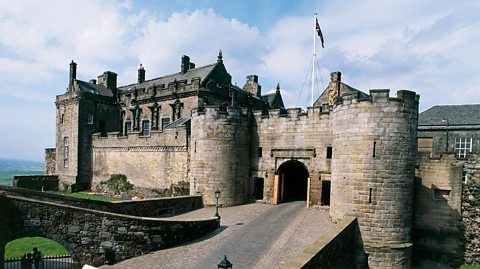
(428, 46)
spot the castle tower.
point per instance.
(220, 143)
(81, 111)
(373, 169)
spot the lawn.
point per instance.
(17, 248)
(89, 196)
(469, 267)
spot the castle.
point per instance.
(351, 151)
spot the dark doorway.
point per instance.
(293, 178)
(325, 192)
(259, 188)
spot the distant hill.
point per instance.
(16, 165)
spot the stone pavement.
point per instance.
(252, 236)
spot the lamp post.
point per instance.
(445, 120)
(225, 264)
(217, 196)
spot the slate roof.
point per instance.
(200, 72)
(177, 123)
(93, 88)
(273, 99)
(455, 114)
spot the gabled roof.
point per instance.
(454, 114)
(274, 100)
(93, 88)
(200, 72)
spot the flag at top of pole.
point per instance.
(319, 32)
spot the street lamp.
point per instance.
(225, 264)
(217, 196)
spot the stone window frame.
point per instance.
(145, 128)
(66, 148)
(165, 120)
(463, 145)
(62, 118)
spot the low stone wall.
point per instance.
(36, 182)
(143, 208)
(333, 250)
(91, 235)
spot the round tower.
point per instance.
(220, 147)
(373, 170)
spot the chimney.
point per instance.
(73, 73)
(252, 86)
(191, 66)
(185, 64)
(335, 76)
(141, 74)
(93, 81)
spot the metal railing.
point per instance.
(49, 262)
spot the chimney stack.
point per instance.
(185, 64)
(73, 73)
(252, 86)
(141, 74)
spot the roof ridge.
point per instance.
(169, 75)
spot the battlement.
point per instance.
(293, 113)
(407, 100)
(217, 111)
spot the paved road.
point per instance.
(252, 236)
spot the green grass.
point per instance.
(469, 267)
(89, 196)
(17, 248)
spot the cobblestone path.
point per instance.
(252, 236)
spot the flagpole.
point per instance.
(313, 57)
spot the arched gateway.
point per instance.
(291, 182)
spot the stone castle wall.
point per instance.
(438, 232)
(50, 161)
(152, 162)
(220, 143)
(292, 135)
(373, 173)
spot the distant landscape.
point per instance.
(12, 167)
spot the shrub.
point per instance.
(118, 184)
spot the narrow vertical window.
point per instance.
(329, 152)
(66, 146)
(62, 118)
(128, 127)
(260, 153)
(374, 149)
(145, 128)
(370, 195)
(89, 119)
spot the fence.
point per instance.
(49, 262)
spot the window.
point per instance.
(145, 128)
(89, 119)
(260, 152)
(329, 152)
(464, 177)
(66, 146)
(62, 118)
(462, 146)
(128, 127)
(165, 122)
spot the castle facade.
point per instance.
(351, 151)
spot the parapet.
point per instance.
(407, 99)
